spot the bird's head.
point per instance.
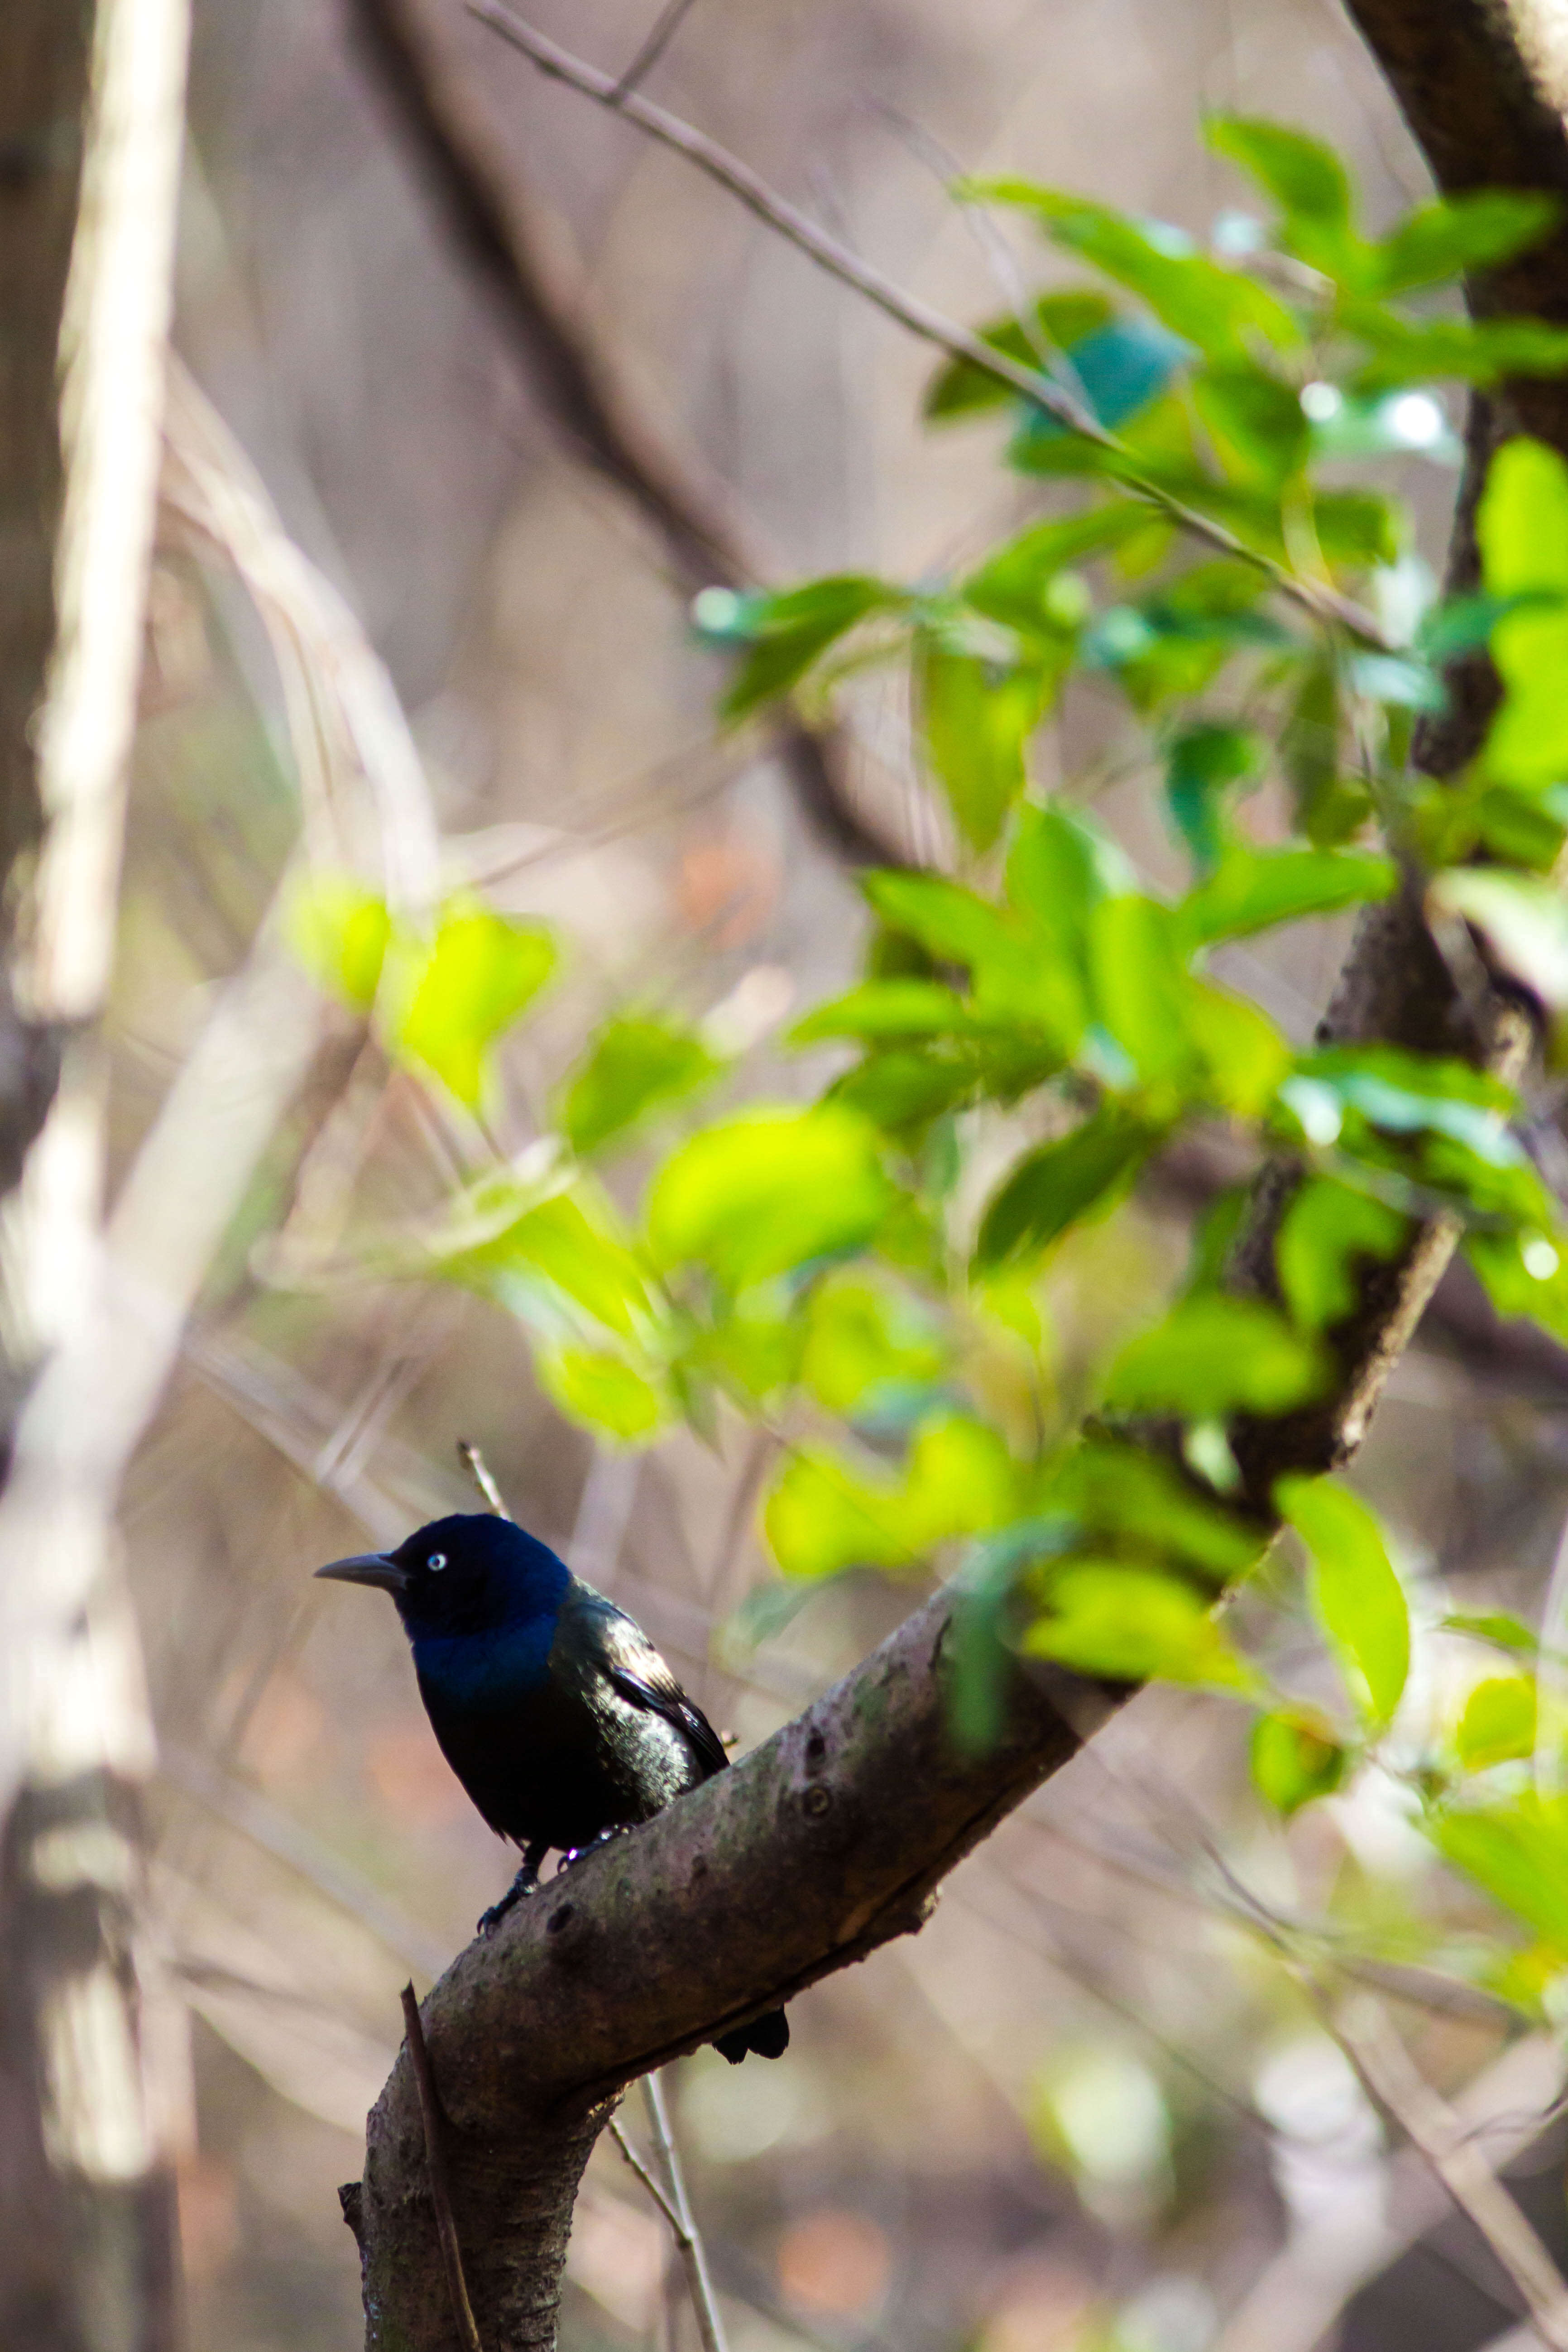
(470, 1573)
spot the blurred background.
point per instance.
(1088, 2107)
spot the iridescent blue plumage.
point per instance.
(551, 1706)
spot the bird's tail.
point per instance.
(767, 2035)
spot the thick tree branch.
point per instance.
(832, 1837)
(819, 1846)
(516, 257)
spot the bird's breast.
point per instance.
(486, 1670)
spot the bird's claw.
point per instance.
(525, 1882)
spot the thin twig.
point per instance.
(688, 2237)
(665, 27)
(655, 2190)
(1324, 603)
(433, 2119)
(474, 1463)
(1362, 2031)
(540, 302)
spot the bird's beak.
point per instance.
(367, 1568)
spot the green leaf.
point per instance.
(603, 1393)
(1356, 1596)
(1054, 1186)
(1059, 321)
(823, 1515)
(1518, 1853)
(1523, 1272)
(1525, 922)
(886, 1008)
(1013, 585)
(977, 720)
(752, 1196)
(1523, 522)
(790, 631)
(1328, 810)
(561, 1244)
(1294, 1760)
(1134, 1626)
(1196, 298)
(859, 1338)
(1212, 1355)
(1474, 231)
(636, 1064)
(1117, 373)
(1141, 984)
(1326, 1232)
(1498, 1726)
(1493, 1626)
(1014, 978)
(1059, 867)
(456, 996)
(1306, 179)
(340, 931)
(1123, 1495)
(1256, 421)
(1420, 351)
(1203, 762)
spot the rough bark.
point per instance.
(834, 1836)
(823, 1844)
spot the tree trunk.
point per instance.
(89, 145)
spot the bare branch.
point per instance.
(512, 251)
(1324, 604)
(693, 2253)
(436, 2169)
(1363, 2032)
(474, 1463)
(666, 26)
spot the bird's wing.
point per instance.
(633, 1666)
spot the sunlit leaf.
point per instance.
(1358, 1599)
(458, 995)
(1517, 1852)
(1498, 1726)
(635, 1064)
(824, 1514)
(1125, 1496)
(753, 1195)
(1131, 1624)
(1213, 1355)
(340, 931)
(1293, 1761)
(885, 1008)
(603, 1393)
(859, 1338)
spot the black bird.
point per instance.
(551, 1705)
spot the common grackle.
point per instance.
(551, 1705)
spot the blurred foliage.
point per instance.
(857, 1275)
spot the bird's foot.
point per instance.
(577, 1852)
(525, 1882)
